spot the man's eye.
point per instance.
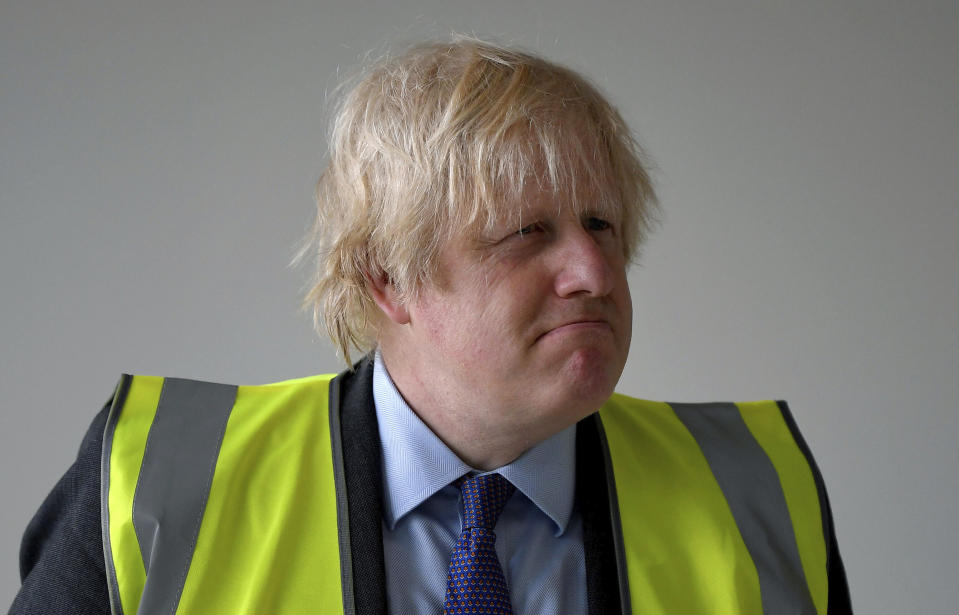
(527, 230)
(597, 224)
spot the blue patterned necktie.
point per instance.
(476, 583)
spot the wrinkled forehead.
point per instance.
(539, 201)
(567, 169)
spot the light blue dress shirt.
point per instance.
(539, 535)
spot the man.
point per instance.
(474, 226)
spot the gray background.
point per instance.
(158, 158)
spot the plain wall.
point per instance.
(157, 164)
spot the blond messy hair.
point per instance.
(446, 138)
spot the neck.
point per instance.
(471, 423)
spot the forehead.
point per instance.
(565, 165)
(580, 192)
(475, 248)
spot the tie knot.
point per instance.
(483, 499)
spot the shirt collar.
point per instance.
(417, 464)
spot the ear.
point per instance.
(384, 293)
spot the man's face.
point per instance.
(533, 323)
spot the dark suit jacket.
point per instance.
(62, 558)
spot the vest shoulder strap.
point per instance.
(712, 497)
(207, 490)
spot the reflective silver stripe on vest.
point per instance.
(750, 483)
(174, 483)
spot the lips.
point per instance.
(577, 324)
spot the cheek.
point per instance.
(626, 307)
(489, 334)
(460, 328)
(627, 300)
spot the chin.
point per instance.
(591, 375)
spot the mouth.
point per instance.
(577, 326)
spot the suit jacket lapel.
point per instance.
(360, 440)
(604, 593)
(360, 450)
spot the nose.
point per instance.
(583, 266)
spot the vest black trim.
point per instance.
(119, 398)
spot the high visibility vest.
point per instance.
(224, 499)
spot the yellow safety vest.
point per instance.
(223, 499)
